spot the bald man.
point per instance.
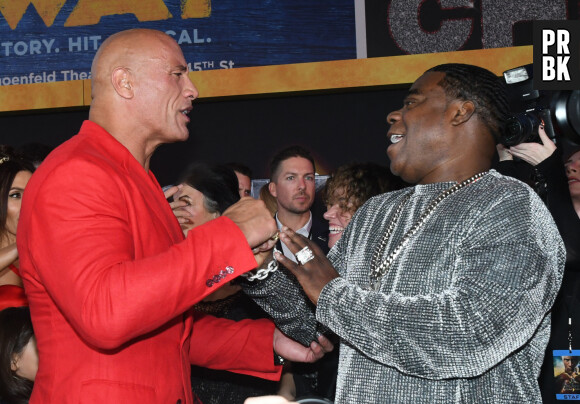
(110, 277)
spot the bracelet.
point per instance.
(262, 273)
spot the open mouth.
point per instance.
(335, 230)
(186, 110)
(185, 113)
(395, 138)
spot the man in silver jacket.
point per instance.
(440, 292)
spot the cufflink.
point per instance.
(218, 278)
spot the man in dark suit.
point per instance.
(292, 183)
(292, 175)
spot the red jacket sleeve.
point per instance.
(107, 256)
(244, 346)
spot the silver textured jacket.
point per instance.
(462, 315)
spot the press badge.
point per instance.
(567, 374)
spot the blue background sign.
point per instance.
(55, 40)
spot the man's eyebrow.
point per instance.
(412, 91)
(181, 67)
(289, 172)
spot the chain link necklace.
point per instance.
(378, 269)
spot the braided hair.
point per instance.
(482, 87)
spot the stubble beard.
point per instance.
(297, 210)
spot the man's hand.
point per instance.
(314, 274)
(181, 214)
(255, 221)
(294, 351)
(534, 153)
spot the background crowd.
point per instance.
(148, 278)
(204, 192)
(207, 189)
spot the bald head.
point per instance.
(141, 90)
(126, 49)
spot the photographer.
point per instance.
(559, 185)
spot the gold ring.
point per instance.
(275, 237)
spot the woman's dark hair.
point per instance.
(217, 183)
(358, 182)
(10, 165)
(15, 333)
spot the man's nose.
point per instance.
(190, 90)
(393, 117)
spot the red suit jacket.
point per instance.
(111, 280)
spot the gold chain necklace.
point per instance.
(379, 270)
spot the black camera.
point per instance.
(558, 111)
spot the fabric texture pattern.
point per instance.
(462, 315)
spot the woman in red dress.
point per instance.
(14, 175)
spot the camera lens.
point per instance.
(566, 105)
(519, 129)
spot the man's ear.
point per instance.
(464, 110)
(272, 188)
(122, 82)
